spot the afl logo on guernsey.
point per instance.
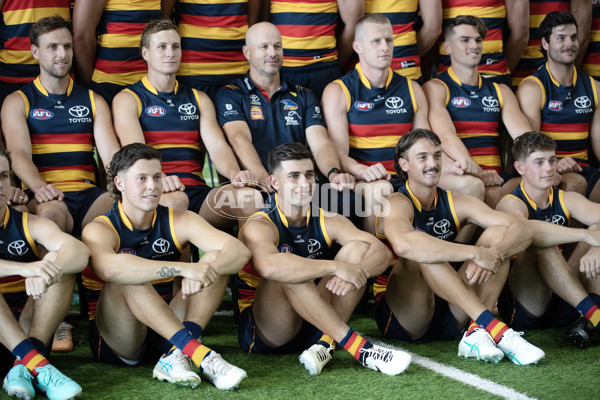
(363, 106)
(286, 248)
(555, 105)
(461, 102)
(156, 111)
(41, 114)
(127, 251)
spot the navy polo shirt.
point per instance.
(272, 121)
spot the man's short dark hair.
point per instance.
(552, 20)
(156, 26)
(123, 159)
(6, 153)
(407, 141)
(48, 24)
(288, 151)
(465, 20)
(529, 143)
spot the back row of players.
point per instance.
(52, 125)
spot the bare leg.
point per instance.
(373, 195)
(54, 210)
(227, 205)
(100, 206)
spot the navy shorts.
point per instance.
(196, 195)
(559, 313)
(591, 175)
(79, 203)
(314, 77)
(16, 302)
(250, 342)
(441, 327)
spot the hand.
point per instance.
(465, 166)
(491, 178)
(342, 181)
(592, 237)
(488, 258)
(190, 287)
(374, 172)
(17, 196)
(567, 164)
(45, 269)
(351, 273)
(338, 286)
(35, 287)
(202, 272)
(557, 179)
(590, 263)
(476, 274)
(171, 183)
(244, 178)
(47, 193)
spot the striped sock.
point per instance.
(494, 326)
(27, 355)
(190, 346)
(590, 310)
(327, 341)
(353, 343)
(472, 326)
(194, 328)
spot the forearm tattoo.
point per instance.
(166, 272)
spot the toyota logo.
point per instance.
(17, 248)
(79, 111)
(313, 245)
(583, 102)
(160, 246)
(441, 227)
(394, 102)
(254, 98)
(490, 101)
(558, 220)
(187, 108)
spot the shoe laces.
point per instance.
(63, 330)
(216, 365)
(378, 354)
(23, 373)
(323, 353)
(515, 339)
(47, 376)
(178, 359)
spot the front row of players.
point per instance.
(308, 270)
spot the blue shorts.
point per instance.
(107, 90)
(559, 313)
(250, 342)
(591, 175)
(196, 195)
(16, 302)
(314, 77)
(441, 327)
(79, 203)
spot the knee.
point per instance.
(175, 200)
(492, 236)
(54, 212)
(352, 252)
(574, 183)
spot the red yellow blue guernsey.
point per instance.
(118, 59)
(591, 61)
(556, 212)
(171, 124)
(159, 243)
(61, 131)
(212, 36)
(402, 15)
(309, 241)
(16, 244)
(567, 112)
(532, 57)
(377, 117)
(493, 14)
(308, 30)
(476, 114)
(17, 65)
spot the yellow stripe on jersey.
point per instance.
(488, 161)
(308, 43)
(481, 12)
(382, 7)
(91, 284)
(593, 83)
(93, 103)
(299, 63)
(293, 7)
(119, 40)
(451, 204)
(212, 32)
(131, 5)
(124, 79)
(201, 68)
(173, 234)
(213, 1)
(13, 287)
(31, 15)
(137, 99)
(469, 135)
(499, 94)
(375, 142)
(17, 57)
(567, 135)
(107, 220)
(561, 199)
(410, 73)
(324, 228)
(197, 97)
(45, 148)
(405, 39)
(28, 235)
(25, 100)
(411, 90)
(67, 175)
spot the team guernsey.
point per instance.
(403, 15)
(476, 112)
(567, 112)
(308, 241)
(556, 212)
(61, 133)
(591, 61)
(280, 119)
(212, 36)
(16, 244)
(17, 65)
(377, 117)
(170, 122)
(493, 14)
(158, 243)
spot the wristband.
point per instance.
(332, 170)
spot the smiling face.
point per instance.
(54, 53)
(465, 45)
(264, 49)
(563, 45)
(375, 45)
(141, 184)
(163, 53)
(538, 170)
(423, 164)
(4, 180)
(294, 181)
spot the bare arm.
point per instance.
(350, 12)
(582, 11)
(420, 118)
(254, 11)
(104, 134)
(326, 157)
(529, 95)
(431, 14)
(595, 127)
(126, 119)
(238, 134)
(86, 16)
(517, 18)
(513, 118)
(166, 8)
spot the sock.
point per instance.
(27, 355)
(194, 328)
(189, 346)
(590, 310)
(327, 341)
(40, 346)
(353, 343)
(472, 326)
(494, 326)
